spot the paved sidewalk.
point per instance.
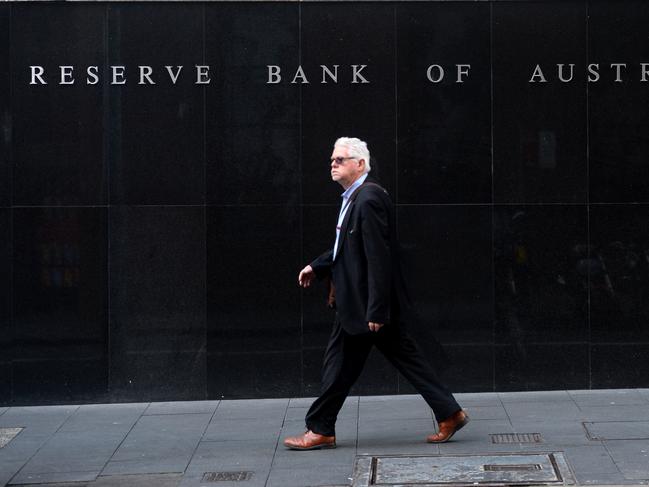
(604, 435)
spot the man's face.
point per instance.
(348, 169)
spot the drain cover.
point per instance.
(516, 438)
(226, 476)
(432, 470)
(8, 434)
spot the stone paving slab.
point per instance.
(609, 398)
(305, 402)
(631, 457)
(182, 407)
(614, 413)
(309, 477)
(252, 409)
(177, 442)
(145, 480)
(606, 480)
(408, 408)
(540, 411)
(593, 459)
(243, 429)
(486, 398)
(38, 420)
(148, 480)
(216, 455)
(5, 476)
(74, 452)
(53, 477)
(535, 396)
(146, 466)
(375, 431)
(480, 413)
(618, 430)
(159, 444)
(100, 418)
(19, 451)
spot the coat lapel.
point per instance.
(350, 209)
(343, 228)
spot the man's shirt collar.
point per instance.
(348, 192)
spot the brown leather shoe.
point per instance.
(310, 441)
(449, 427)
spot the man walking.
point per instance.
(371, 304)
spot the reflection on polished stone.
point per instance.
(529, 367)
(57, 132)
(253, 300)
(5, 117)
(156, 136)
(6, 338)
(618, 365)
(539, 129)
(157, 301)
(541, 260)
(60, 304)
(470, 367)
(252, 133)
(347, 34)
(255, 374)
(318, 235)
(619, 273)
(444, 128)
(618, 141)
(447, 266)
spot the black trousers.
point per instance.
(343, 363)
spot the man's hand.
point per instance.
(306, 276)
(374, 326)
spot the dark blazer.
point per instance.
(366, 272)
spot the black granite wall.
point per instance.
(151, 235)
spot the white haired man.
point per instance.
(371, 304)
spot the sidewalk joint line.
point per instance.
(279, 436)
(123, 440)
(200, 440)
(43, 444)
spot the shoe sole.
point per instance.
(316, 447)
(459, 426)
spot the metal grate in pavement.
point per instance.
(8, 434)
(516, 438)
(227, 476)
(513, 468)
(497, 469)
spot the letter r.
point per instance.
(37, 72)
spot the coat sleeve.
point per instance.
(322, 265)
(375, 224)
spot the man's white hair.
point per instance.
(356, 148)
